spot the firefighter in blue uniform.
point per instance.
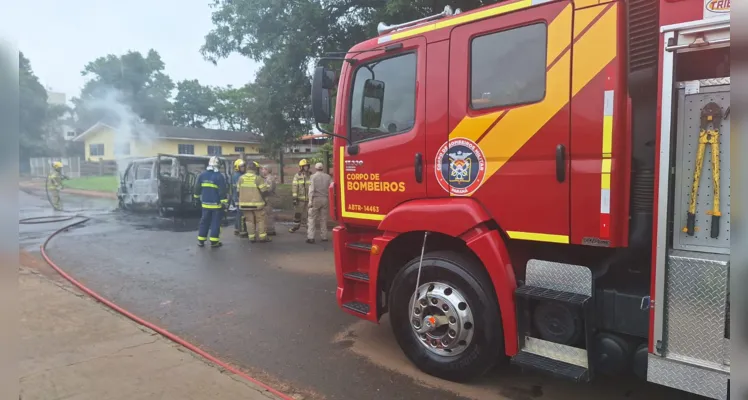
(210, 188)
(240, 224)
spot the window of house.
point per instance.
(186, 149)
(122, 149)
(508, 67)
(96, 149)
(239, 149)
(70, 134)
(393, 82)
(214, 150)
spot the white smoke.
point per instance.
(129, 129)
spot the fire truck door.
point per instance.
(384, 163)
(509, 119)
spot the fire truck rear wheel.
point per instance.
(452, 329)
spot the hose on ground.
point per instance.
(163, 332)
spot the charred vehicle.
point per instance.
(165, 183)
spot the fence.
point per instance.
(41, 167)
(290, 164)
(72, 167)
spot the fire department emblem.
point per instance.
(460, 166)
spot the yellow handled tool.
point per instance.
(711, 114)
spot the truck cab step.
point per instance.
(360, 246)
(530, 361)
(357, 276)
(540, 293)
(357, 306)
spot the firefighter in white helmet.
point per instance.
(318, 203)
(211, 190)
(300, 191)
(240, 224)
(54, 185)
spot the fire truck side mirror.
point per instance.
(322, 83)
(372, 103)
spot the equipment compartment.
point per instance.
(692, 97)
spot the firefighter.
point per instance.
(210, 189)
(318, 203)
(240, 224)
(270, 180)
(252, 193)
(300, 191)
(54, 185)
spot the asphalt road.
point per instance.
(268, 308)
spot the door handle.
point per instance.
(419, 167)
(560, 163)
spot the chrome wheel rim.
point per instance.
(441, 319)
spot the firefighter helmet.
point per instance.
(214, 163)
(57, 165)
(303, 162)
(238, 164)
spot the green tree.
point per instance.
(194, 104)
(32, 108)
(137, 82)
(232, 107)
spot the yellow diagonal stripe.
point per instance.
(592, 52)
(559, 38)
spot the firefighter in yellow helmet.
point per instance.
(300, 193)
(54, 185)
(252, 193)
(240, 224)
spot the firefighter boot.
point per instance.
(310, 241)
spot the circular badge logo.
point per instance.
(460, 166)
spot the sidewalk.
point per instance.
(74, 348)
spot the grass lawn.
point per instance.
(107, 183)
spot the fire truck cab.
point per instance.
(542, 180)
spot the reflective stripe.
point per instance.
(215, 240)
(197, 196)
(224, 201)
(251, 204)
(212, 206)
(201, 238)
(210, 185)
(248, 185)
(538, 237)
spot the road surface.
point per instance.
(269, 309)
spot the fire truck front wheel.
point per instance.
(450, 327)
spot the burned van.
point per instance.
(165, 183)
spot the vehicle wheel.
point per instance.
(452, 329)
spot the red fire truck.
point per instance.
(540, 180)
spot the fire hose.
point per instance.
(163, 332)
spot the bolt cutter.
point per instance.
(711, 114)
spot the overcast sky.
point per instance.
(60, 36)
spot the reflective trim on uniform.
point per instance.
(263, 235)
(212, 206)
(197, 196)
(251, 204)
(247, 185)
(202, 238)
(224, 201)
(208, 184)
(215, 239)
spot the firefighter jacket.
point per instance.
(320, 183)
(55, 180)
(210, 188)
(234, 185)
(252, 191)
(300, 186)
